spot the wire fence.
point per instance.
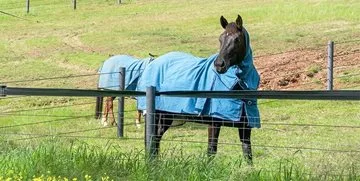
(65, 135)
(277, 137)
(183, 117)
(73, 4)
(28, 136)
(34, 113)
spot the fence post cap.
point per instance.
(2, 90)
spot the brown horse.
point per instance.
(108, 117)
(235, 52)
(109, 77)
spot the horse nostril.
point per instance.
(222, 64)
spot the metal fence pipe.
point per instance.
(68, 92)
(150, 123)
(121, 105)
(330, 67)
(297, 95)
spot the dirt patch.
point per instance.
(73, 41)
(304, 69)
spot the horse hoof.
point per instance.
(105, 124)
(103, 120)
(137, 123)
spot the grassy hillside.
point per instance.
(54, 33)
(57, 137)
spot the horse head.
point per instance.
(232, 45)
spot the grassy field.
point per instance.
(57, 137)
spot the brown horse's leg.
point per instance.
(106, 112)
(111, 111)
(163, 123)
(108, 109)
(245, 135)
(138, 119)
(213, 137)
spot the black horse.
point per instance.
(233, 50)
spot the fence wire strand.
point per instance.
(43, 122)
(346, 76)
(51, 116)
(207, 121)
(47, 108)
(50, 78)
(182, 141)
(69, 76)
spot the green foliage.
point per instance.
(313, 70)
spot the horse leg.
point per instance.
(245, 135)
(138, 119)
(163, 123)
(111, 111)
(213, 137)
(98, 107)
(106, 112)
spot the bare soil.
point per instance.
(305, 69)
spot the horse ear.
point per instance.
(223, 22)
(239, 22)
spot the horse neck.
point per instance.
(244, 47)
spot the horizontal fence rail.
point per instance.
(245, 94)
(4, 91)
(304, 95)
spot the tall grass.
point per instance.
(51, 159)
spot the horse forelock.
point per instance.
(231, 28)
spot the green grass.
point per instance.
(41, 141)
(350, 76)
(85, 162)
(313, 70)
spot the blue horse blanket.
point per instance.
(109, 72)
(178, 71)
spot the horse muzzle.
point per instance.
(221, 70)
(220, 66)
